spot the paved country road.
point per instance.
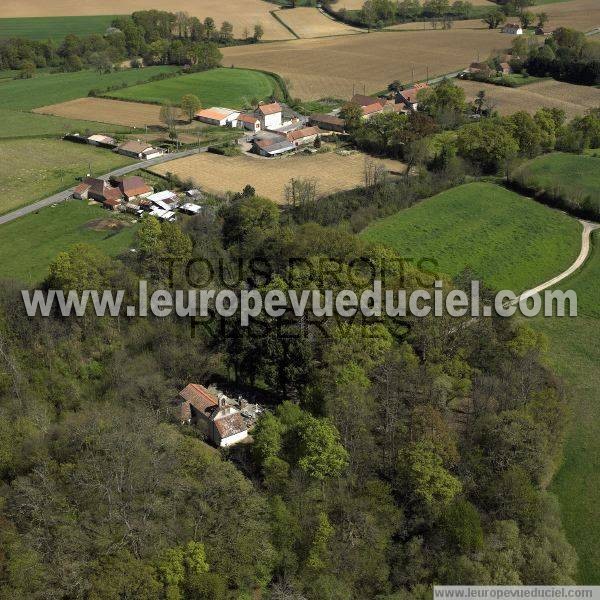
(588, 227)
(61, 196)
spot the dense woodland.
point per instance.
(395, 454)
(155, 37)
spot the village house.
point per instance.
(140, 150)
(93, 188)
(370, 106)
(218, 116)
(134, 187)
(223, 423)
(408, 97)
(272, 147)
(270, 115)
(512, 29)
(306, 135)
(250, 122)
(328, 122)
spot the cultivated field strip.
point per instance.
(575, 100)
(336, 66)
(221, 174)
(311, 23)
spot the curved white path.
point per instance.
(588, 227)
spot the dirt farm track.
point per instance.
(221, 174)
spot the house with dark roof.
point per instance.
(272, 147)
(97, 189)
(134, 187)
(224, 423)
(327, 122)
(138, 149)
(370, 105)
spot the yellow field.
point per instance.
(311, 23)
(367, 63)
(576, 14)
(573, 99)
(102, 110)
(221, 174)
(241, 13)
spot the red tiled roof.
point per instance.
(112, 202)
(134, 186)
(330, 119)
(82, 187)
(197, 396)
(372, 108)
(247, 119)
(230, 425)
(366, 100)
(269, 109)
(302, 133)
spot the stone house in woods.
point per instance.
(223, 423)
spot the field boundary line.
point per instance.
(277, 18)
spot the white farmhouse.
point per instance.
(513, 29)
(270, 115)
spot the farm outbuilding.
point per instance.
(218, 116)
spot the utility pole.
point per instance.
(413, 73)
(427, 80)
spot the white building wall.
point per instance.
(272, 121)
(233, 439)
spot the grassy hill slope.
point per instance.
(511, 241)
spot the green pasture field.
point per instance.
(233, 88)
(45, 89)
(53, 28)
(575, 355)
(31, 169)
(29, 244)
(510, 241)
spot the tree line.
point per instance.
(149, 37)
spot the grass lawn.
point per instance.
(53, 28)
(44, 89)
(33, 169)
(29, 244)
(575, 355)
(510, 241)
(16, 123)
(576, 176)
(232, 88)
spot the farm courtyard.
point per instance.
(220, 174)
(317, 68)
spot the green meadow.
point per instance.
(572, 176)
(31, 169)
(53, 28)
(45, 89)
(575, 355)
(21, 124)
(219, 87)
(32, 242)
(510, 241)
